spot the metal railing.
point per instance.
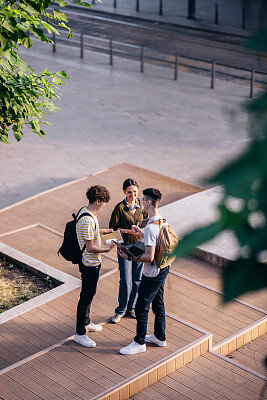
(175, 61)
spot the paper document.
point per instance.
(115, 236)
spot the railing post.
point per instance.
(160, 7)
(81, 45)
(212, 85)
(176, 66)
(137, 8)
(142, 59)
(252, 83)
(243, 18)
(110, 53)
(216, 19)
(54, 42)
(115, 3)
(191, 12)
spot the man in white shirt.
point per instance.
(151, 289)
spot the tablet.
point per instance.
(135, 251)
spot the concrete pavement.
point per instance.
(231, 17)
(113, 114)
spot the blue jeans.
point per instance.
(151, 290)
(130, 279)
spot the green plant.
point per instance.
(48, 281)
(25, 96)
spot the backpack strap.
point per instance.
(80, 216)
(159, 222)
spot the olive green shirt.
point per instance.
(122, 217)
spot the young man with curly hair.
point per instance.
(88, 234)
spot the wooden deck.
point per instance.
(38, 358)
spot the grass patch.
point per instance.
(18, 285)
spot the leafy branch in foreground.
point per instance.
(243, 208)
(25, 97)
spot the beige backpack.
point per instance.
(167, 243)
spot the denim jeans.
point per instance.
(151, 290)
(90, 276)
(130, 279)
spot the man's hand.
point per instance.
(137, 231)
(108, 247)
(122, 254)
(105, 230)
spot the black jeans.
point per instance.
(151, 290)
(90, 276)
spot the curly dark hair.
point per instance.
(98, 192)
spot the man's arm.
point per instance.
(148, 255)
(91, 248)
(105, 230)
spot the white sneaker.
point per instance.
(116, 318)
(84, 340)
(133, 348)
(93, 327)
(155, 340)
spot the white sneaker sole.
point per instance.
(90, 345)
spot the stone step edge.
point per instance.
(242, 337)
(159, 370)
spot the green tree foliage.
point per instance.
(243, 208)
(25, 96)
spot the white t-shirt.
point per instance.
(151, 235)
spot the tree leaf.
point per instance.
(243, 275)
(81, 3)
(61, 3)
(193, 239)
(60, 16)
(62, 74)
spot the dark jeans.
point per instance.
(151, 290)
(90, 276)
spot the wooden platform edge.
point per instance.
(159, 370)
(212, 258)
(239, 365)
(242, 337)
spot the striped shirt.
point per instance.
(87, 228)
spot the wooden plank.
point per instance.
(84, 370)
(6, 394)
(18, 388)
(227, 386)
(160, 391)
(226, 369)
(250, 358)
(46, 381)
(55, 327)
(13, 340)
(184, 378)
(207, 297)
(178, 385)
(60, 372)
(86, 362)
(7, 357)
(69, 389)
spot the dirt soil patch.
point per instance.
(18, 285)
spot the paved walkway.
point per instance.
(230, 18)
(115, 114)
